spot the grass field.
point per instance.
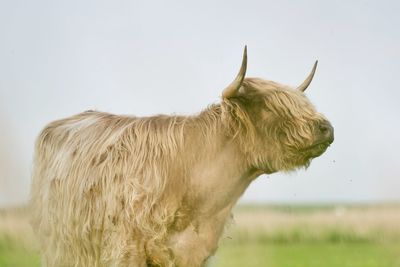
(309, 255)
(271, 236)
(18, 247)
(305, 236)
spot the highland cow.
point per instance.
(113, 190)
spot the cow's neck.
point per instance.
(220, 177)
(220, 171)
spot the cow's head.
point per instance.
(276, 125)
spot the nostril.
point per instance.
(326, 129)
(323, 128)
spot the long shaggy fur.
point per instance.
(113, 190)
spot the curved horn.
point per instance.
(232, 89)
(307, 82)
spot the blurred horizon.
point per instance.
(60, 58)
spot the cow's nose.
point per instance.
(326, 131)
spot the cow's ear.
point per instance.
(233, 88)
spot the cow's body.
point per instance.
(121, 191)
(124, 191)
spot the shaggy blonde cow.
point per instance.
(113, 190)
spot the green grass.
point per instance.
(255, 254)
(13, 254)
(263, 254)
(266, 236)
(305, 236)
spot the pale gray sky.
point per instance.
(58, 58)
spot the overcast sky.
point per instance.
(58, 58)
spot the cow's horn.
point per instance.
(307, 82)
(232, 89)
